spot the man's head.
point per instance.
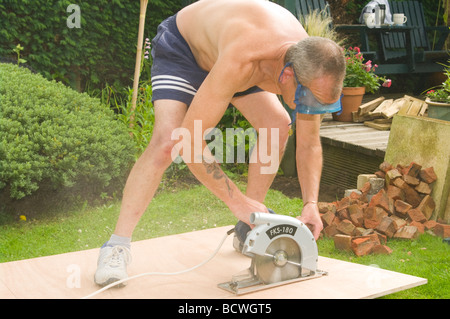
(319, 65)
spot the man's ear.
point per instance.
(287, 75)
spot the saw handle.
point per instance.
(264, 218)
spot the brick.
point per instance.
(355, 196)
(411, 196)
(367, 232)
(380, 174)
(343, 242)
(391, 175)
(401, 208)
(359, 231)
(343, 203)
(395, 193)
(416, 215)
(423, 188)
(325, 207)
(385, 167)
(363, 179)
(399, 182)
(407, 232)
(336, 221)
(376, 184)
(327, 218)
(362, 246)
(430, 224)
(428, 175)
(427, 206)
(411, 180)
(365, 189)
(330, 231)
(386, 227)
(381, 250)
(373, 216)
(398, 222)
(413, 169)
(382, 238)
(442, 230)
(380, 199)
(343, 214)
(356, 215)
(374, 237)
(420, 226)
(346, 227)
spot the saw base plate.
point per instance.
(248, 282)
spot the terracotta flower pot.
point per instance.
(351, 100)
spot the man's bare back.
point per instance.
(258, 31)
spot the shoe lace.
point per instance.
(117, 254)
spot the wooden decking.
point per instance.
(355, 137)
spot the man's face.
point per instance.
(322, 89)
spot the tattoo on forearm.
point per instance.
(214, 169)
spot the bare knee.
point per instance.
(159, 152)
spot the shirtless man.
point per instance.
(245, 52)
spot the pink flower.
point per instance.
(430, 91)
(387, 83)
(368, 65)
(357, 49)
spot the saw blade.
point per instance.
(281, 261)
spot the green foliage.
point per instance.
(56, 138)
(19, 49)
(243, 139)
(102, 50)
(441, 93)
(139, 121)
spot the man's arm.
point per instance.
(309, 168)
(212, 99)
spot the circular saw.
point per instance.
(283, 250)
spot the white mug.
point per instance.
(400, 19)
(370, 20)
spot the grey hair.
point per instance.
(314, 57)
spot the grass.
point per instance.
(176, 210)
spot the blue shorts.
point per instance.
(175, 73)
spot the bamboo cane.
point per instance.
(137, 68)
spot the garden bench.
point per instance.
(405, 49)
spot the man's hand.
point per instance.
(245, 207)
(310, 217)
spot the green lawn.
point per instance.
(194, 208)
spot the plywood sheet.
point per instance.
(71, 275)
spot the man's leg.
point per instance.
(264, 111)
(139, 190)
(146, 174)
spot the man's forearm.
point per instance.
(309, 168)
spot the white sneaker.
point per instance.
(112, 265)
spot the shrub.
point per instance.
(55, 138)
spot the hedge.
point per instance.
(102, 50)
(55, 138)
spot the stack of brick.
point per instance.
(394, 202)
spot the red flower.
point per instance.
(387, 83)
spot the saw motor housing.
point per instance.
(270, 227)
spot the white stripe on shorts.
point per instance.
(173, 87)
(169, 77)
(173, 83)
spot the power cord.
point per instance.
(161, 273)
